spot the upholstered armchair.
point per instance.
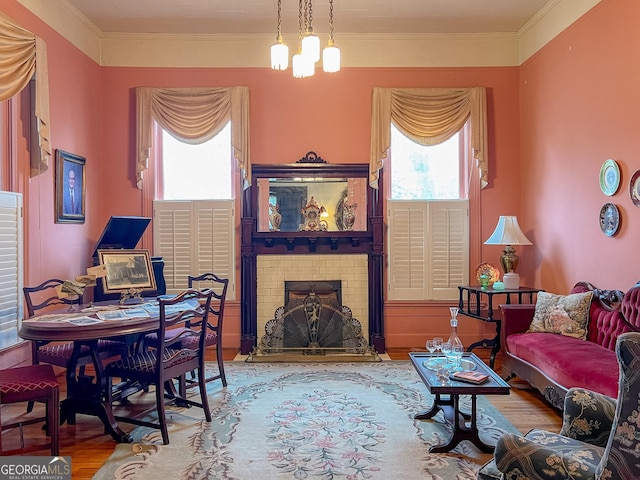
(600, 437)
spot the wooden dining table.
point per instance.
(86, 393)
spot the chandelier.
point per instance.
(308, 52)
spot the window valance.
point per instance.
(23, 55)
(428, 116)
(193, 115)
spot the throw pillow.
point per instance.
(563, 314)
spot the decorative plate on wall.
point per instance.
(609, 177)
(489, 270)
(634, 188)
(609, 219)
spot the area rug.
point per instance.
(324, 421)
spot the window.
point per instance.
(428, 219)
(424, 172)
(197, 172)
(11, 239)
(194, 210)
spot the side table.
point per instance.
(470, 305)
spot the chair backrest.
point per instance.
(620, 457)
(189, 309)
(219, 287)
(44, 295)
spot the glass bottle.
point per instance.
(456, 344)
(454, 339)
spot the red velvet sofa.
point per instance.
(553, 363)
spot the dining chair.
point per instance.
(33, 383)
(216, 317)
(44, 296)
(163, 361)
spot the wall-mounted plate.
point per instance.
(609, 177)
(634, 188)
(609, 219)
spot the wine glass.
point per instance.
(431, 346)
(437, 341)
(447, 350)
(456, 351)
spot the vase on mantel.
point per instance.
(349, 215)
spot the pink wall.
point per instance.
(579, 101)
(62, 250)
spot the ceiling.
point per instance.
(350, 16)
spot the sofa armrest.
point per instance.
(588, 416)
(516, 318)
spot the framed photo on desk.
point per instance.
(127, 269)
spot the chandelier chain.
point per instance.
(279, 18)
(331, 19)
(310, 15)
(300, 22)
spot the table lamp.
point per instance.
(508, 233)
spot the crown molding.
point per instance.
(358, 50)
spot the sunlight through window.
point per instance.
(197, 172)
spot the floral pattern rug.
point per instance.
(320, 421)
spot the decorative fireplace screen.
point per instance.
(312, 326)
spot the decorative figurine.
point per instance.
(275, 219)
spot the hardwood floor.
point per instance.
(89, 447)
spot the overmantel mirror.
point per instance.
(311, 196)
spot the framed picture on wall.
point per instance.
(127, 269)
(70, 188)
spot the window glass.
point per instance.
(424, 172)
(197, 172)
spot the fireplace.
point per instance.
(271, 257)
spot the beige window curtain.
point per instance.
(193, 115)
(428, 116)
(23, 55)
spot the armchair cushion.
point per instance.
(546, 456)
(588, 416)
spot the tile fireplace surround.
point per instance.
(274, 270)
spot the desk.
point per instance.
(473, 309)
(86, 394)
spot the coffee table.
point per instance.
(447, 397)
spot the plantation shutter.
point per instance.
(407, 250)
(428, 249)
(448, 248)
(194, 237)
(11, 272)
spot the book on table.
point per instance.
(470, 376)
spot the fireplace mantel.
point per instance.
(256, 240)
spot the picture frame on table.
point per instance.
(126, 270)
(70, 188)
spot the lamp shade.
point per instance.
(507, 232)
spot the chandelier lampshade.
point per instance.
(303, 66)
(279, 50)
(331, 53)
(311, 46)
(279, 55)
(331, 58)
